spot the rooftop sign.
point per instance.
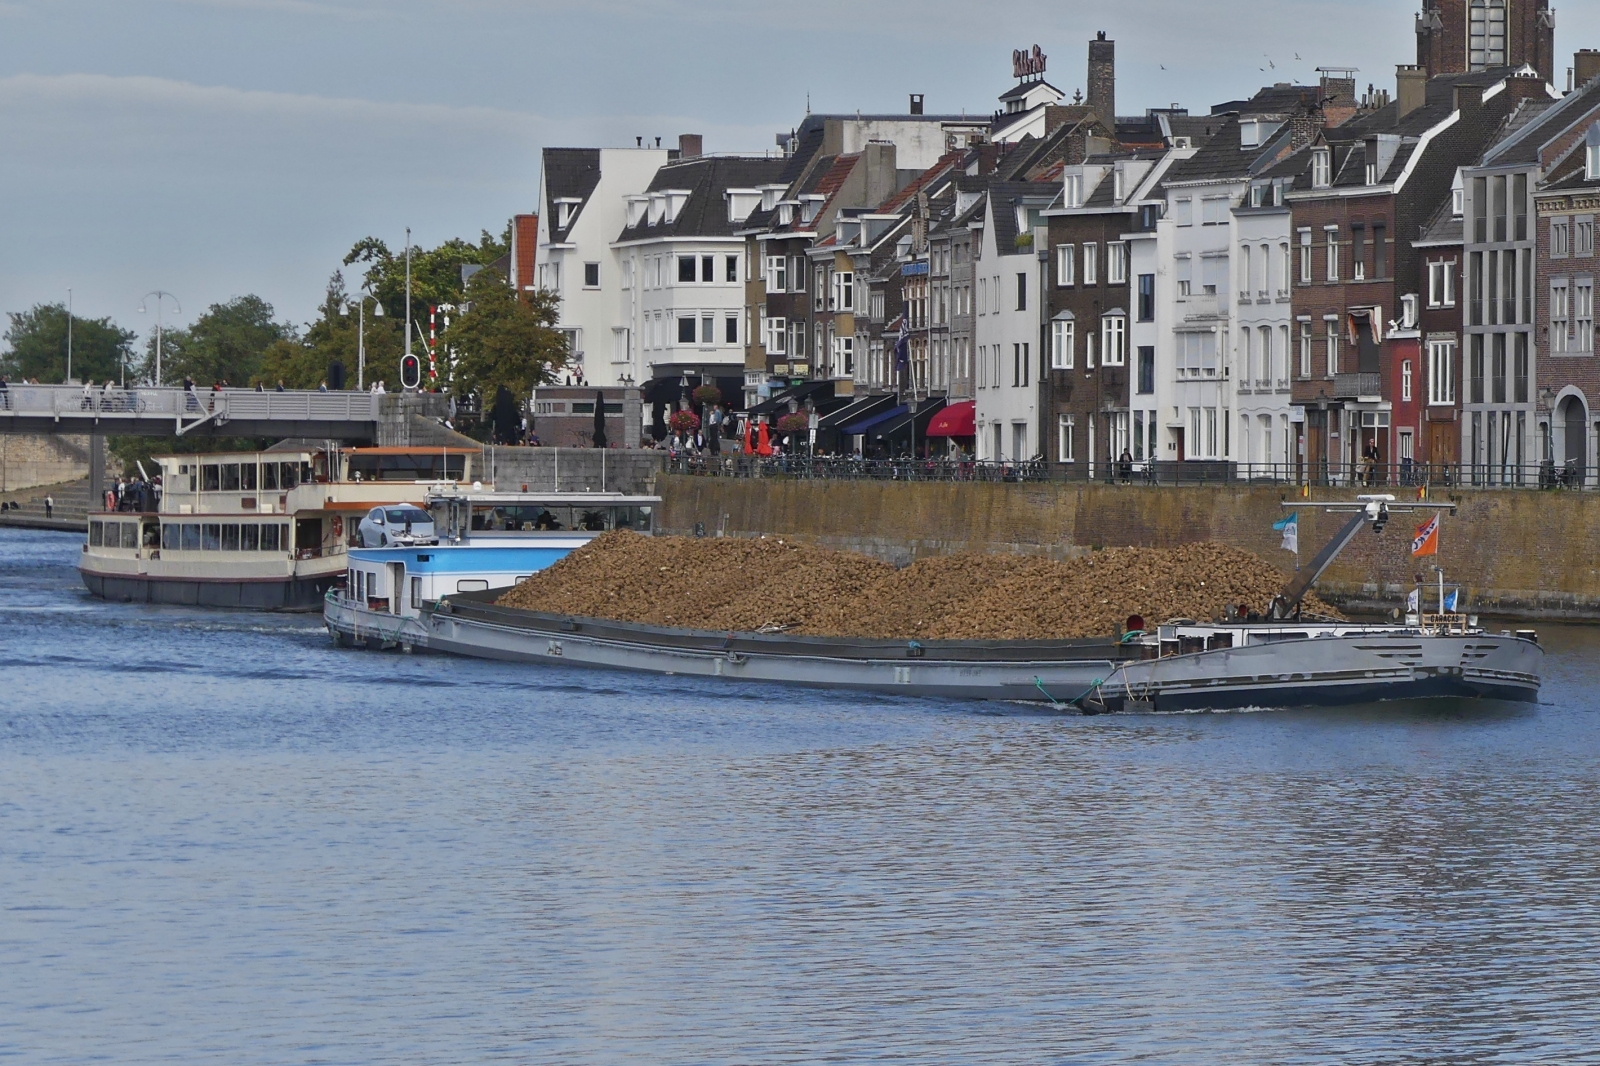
(1026, 64)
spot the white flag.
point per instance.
(1290, 528)
(1414, 600)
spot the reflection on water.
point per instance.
(225, 840)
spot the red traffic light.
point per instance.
(410, 371)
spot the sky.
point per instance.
(213, 148)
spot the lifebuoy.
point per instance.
(338, 526)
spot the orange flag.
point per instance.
(1426, 542)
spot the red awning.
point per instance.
(956, 420)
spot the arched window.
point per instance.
(1486, 34)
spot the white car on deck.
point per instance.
(398, 525)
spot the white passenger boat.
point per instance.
(260, 530)
(486, 541)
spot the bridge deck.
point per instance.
(166, 412)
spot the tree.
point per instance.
(37, 347)
(226, 343)
(435, 273)
(502, 340)
(303, 362)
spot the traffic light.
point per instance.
(410, 371)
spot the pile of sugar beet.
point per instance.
(744, 585)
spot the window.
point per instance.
(1244, 272)
(270, 540)
(777, 334)
(983, 296)
(1559, 237)
(731, 268)
(1117, 263)
(1065, 263)
(1380, 251)
(1113, 340)
(1486, 34)
(777, 273)
(1441, 372)
(686, 327)
(730, 329)
(1214, 210)
(1442, 284)
(230, 477)
(1583, 237)
(1333, 345)
(708, 268)
(1559, 316)
(708, 327)
(1475, 368)
(1405, 380)
(1583, 316)
(1091, 264)
(1147, 297)
(1064, 443)
(1147, 369)
(1022, 291)
(1183, 211)
(1019, 365)
(1333, 252)
(591, 275)
(1073, 190)
(1305, 350)
(1305, 257)
(819, 288)
(250, 538)
(844, 291)
(686, 268)
(1321, 168)
(1063, 335)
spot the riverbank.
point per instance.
(1518, 554)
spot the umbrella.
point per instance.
(504, 415)
(764, 445)
(749, 429)
(599, 419)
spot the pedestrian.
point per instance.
(1126, 465)
(324, 386)
(5, 394)
(280, 386)
(49, 506)
(88, 394)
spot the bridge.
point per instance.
(176, 412)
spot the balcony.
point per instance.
(1359, 386)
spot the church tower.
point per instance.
(1458, 36)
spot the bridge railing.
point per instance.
(184, 405)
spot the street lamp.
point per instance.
(361, 331)
(160, 295)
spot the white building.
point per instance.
(583, 193)
(1009, 276)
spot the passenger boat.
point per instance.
(257, 530)
(1180, 665)
(486, 541)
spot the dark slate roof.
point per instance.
(568, 173)
(707, 178)
(1536, 122)
(1022, 89)
(1004, 194)
(1444, 227)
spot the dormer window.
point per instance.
(676, 199)
(1372, 173)
(1074, 190)
(566, 211)
(786, 214)
(1321, 168)
(1116, 185)
(1591, 148)
(637, 206)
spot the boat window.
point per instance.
(97, 531)
(288, 475)
(210, 536)
(269, 538)
(416, 592)
(130, 534)
(230, 537)
(249, 538)
(1273, 638)
(191, 536)
(230, 477)
(472, 585)
(152, 536)
(421, 466)
(208, 477)
(247, 477)
(269, 476)
(171, 537)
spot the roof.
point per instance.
(707, 179)
(922, 181)
(1444, 228)
(1536, 122)
(1003, 194)
(569, 173)
(1021, 89)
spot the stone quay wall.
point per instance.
(1516, 553)
(32, 459)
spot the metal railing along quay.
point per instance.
(1377, 477)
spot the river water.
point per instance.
(224, 840)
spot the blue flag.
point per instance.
(1290, 528)
(1450, 600)
(902, 345)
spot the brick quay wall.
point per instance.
(1520, 554)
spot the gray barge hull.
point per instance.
(295, 594)
(1358, 665)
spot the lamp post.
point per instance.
(69, 337)
(361, 331)
(408, 305)
(160, 295)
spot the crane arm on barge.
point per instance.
(1367, 508)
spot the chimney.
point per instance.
(1103, 79)
(1468, 97)
(1585, 65)
(878, 157)
(1411, 88)
(690, 145)
(916, 103)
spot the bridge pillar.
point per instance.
(97, 471)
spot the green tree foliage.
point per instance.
(227, 343)
(435, 273)
(302, 362)
(36, 345)
(503, 340)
